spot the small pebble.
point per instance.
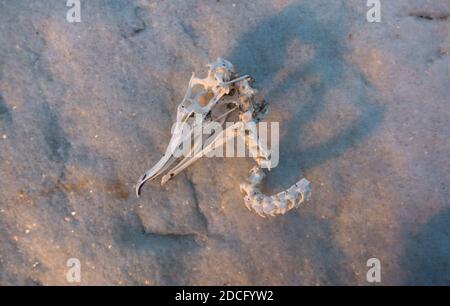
(444, 51)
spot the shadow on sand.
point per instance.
(262, 52)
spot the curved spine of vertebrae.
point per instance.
(277, 204)
(257, 201)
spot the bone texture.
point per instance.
(222, 87)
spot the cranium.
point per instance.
(211, 100)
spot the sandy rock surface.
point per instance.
(86, 108)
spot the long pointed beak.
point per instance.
(168, 158)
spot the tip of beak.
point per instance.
(140, 183)
(138, 190)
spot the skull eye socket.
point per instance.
(201, 95)
(204, 99)
(197, 89)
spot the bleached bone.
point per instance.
(211, 145)
(195, 111)
(277, 204)
(218, 83)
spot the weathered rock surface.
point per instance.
(86, 108)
